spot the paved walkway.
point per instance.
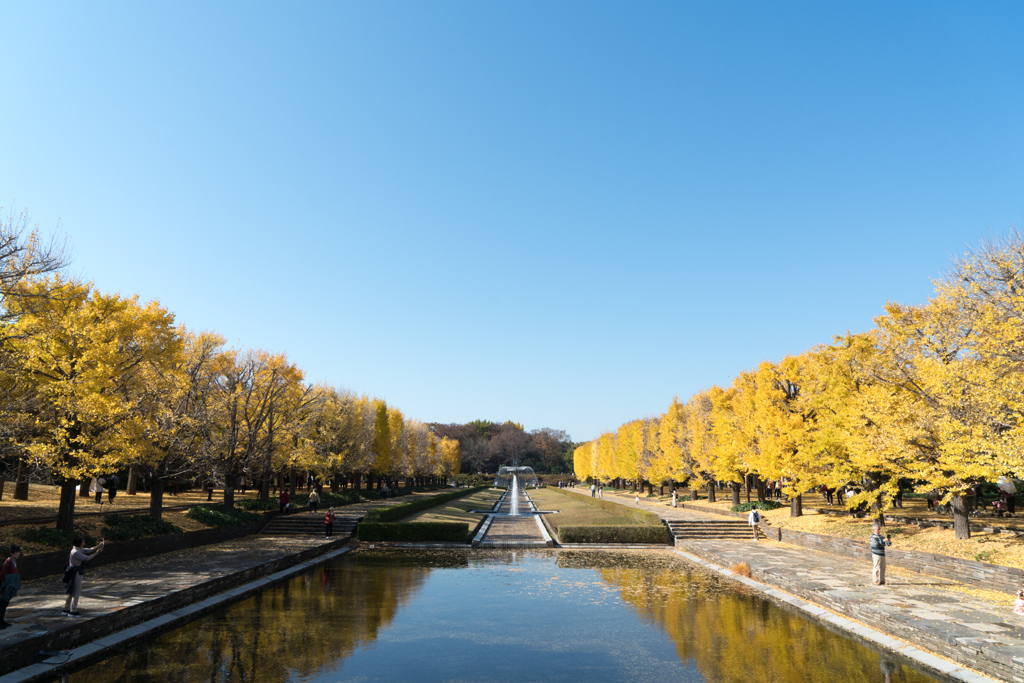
(938, 615)
(109, 590)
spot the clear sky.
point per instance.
(559, 213)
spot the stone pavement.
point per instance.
(935, 614)
(121, 594)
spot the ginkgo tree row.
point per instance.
(932, 397)
(94, 383)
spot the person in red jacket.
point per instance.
(283, 500)
(329, 522)
(10, 582)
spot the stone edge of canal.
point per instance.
(103, 647)
(100, 648)
(931, 663)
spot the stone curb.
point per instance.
(926, 659)
(103, 647)
(83, 631)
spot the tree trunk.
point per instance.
(229, 496)
(21, 482)
(796, 506)
(693, 493)
(156, 497)
(133, 482)
(711, 492)
(265, 489)
(746, 485)
(735, 486)
(66, 509)
(291, 483)
(760, 490)
(356, 480)
(961, 522)
(83, 487)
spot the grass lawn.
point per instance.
(572, 511)
(458, 510)
(43, 501)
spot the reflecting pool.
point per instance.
(386, 615)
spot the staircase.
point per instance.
(303, 524)
(703, 530)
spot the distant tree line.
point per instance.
(485, 446)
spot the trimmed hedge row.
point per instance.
(756, 505)
(613, 534)
(128, 527)
(637, 515)
(390, 514)
(455, 532)
(217, 514)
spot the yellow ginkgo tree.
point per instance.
(81, 354)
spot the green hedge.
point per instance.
(756, 505)
(127, 527)
(613, 534)
(390, 514)
(456, 532)
(47, 535)
(257, 504)
(635, 514)
(219, 515)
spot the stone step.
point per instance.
(709, 529)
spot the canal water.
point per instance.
(388, 615)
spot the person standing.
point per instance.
(878, 544)
(674, 504)
(96, 486)
(314, 501)
(754, 520)
(76, 570)
(282, 500)
(1018, 605)
(10, 582)
(593, 490)
(329, 522)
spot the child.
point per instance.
(329, 522)
(1018, 606)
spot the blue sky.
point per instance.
(563, 214)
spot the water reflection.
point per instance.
(568, 616)
(734, 635)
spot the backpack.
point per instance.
(756, 516)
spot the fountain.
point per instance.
(514, 511)
(508, 522)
